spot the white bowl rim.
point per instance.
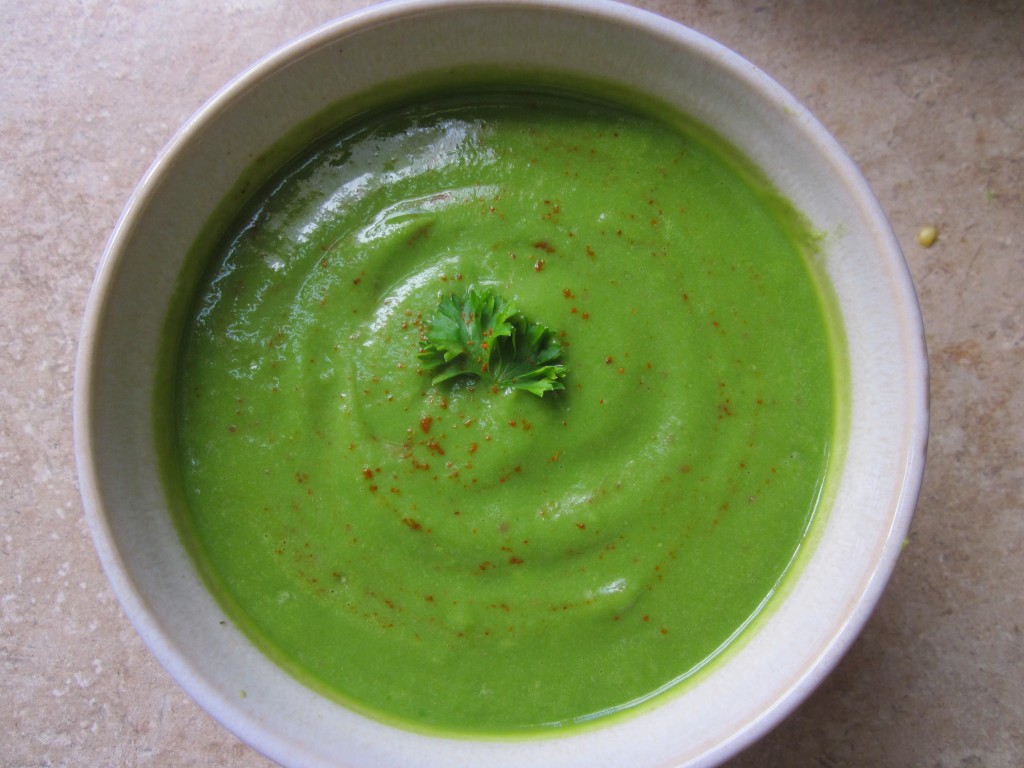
(135, 604)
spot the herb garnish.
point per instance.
(484, 336)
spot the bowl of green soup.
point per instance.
(501, 384)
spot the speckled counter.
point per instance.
(927, 97)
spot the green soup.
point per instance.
(459, 559)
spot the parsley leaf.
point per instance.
(484, 336)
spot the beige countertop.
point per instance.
(927, 97)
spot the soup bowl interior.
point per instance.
(377, 55)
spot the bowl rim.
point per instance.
(126, 589)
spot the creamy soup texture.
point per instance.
(466, 559)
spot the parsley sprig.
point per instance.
(484, 336)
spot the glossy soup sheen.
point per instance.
(455, 559)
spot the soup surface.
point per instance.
(470, 559)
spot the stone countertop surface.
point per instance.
(926, 96)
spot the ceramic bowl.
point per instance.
(376, 51)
